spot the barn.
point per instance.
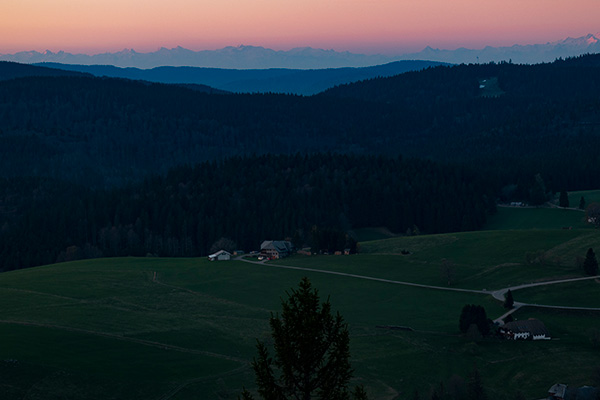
(531, 328)
(220, 255)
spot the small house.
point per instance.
(531, 328)
(221, 255)
(274, 249)
(563, 392)
(557, 391)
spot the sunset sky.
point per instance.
(362, 26)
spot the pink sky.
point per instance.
(364, 26)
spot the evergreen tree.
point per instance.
(509, 301)
(475, 389)
(311, 352)
(474, 314)
(563, 200)
(590, 265)
(582, 203)
(537, 194)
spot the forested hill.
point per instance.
(575, 78)
(11, 70)
(312, 199)
(77, 154)
(504, 117)
(524, 120)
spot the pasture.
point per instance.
(153, 328)
(536, 218)
(590, 196)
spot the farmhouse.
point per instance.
(531, 328)
(563, 392)
(557, 392)
(220, 255)
(276, 248)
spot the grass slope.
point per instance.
(535, 218)
(590, 196)
(150, 328)
(108, 329)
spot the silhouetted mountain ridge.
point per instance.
(281, 80)
(11, 70)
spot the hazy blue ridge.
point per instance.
(274, 80)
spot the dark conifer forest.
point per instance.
(312, 200)
(95, 167)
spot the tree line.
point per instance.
(313, 200)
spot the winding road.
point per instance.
(496, 294)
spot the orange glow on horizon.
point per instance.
(367, 26)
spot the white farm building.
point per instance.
(531, 328)
(220, 255)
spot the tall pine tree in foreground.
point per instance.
(312, 351)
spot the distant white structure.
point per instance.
(220, 255)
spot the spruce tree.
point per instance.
(537, 194)
(582, 203)
(563, 200)
(590, 265)
(474, 314)
(509, 302)
(312, 352)
(475, 390)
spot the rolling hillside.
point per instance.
(115, 130)
(153, 328)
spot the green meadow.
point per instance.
(535, 218)
(590, 196)
(152, 328)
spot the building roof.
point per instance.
(533, 326)
(218, 253)
(558, 390)
(279, 245)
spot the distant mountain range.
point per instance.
(253, 57)
(520, 54)
(241, 57)
(274, 80)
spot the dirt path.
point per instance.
(370, 278)
(496, 294)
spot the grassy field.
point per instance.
(578, 294)
(151, 328)
(535, 218)
(590, 196)
(108, 329)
